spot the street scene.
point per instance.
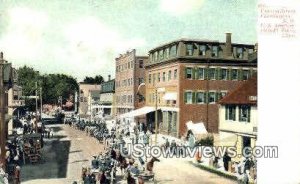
(129, 93)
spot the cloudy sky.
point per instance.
(83, 37)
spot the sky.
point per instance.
(83, 37)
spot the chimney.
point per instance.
(1, 55)
(256, 47)
(228, 47)
(108, 77)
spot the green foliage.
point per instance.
(96, 80)
(53, 85)
(207, 141)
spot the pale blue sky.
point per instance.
(82, 37)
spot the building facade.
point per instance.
(129, 75)
(190, 76)
(238, 117)
(107, 97)
(89, 95)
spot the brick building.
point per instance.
(190, 76)
(129, 75)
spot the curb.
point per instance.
(215, 171)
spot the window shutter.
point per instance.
(194, 97)
(185, 97)
(195, 73)
(226, 112)
(249, 112)
(219, 73)
(218, 96)
(206, 73)
(229, 74)
(206, 97)
(234, 113)
(240, 74)
(251, 72)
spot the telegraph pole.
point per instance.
(2, 115)
(41, 102)
(36, 99)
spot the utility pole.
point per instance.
(156, 125)
(36, 99)
(41, 102)
(2, 115)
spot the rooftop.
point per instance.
(245, 94)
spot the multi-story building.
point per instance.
(107, 97)
(189, 76)
(88, 96)
(129, 75)
(238, 117)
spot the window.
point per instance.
(155, 56)
(230, 112)
(173, 51)
(189, 49)
(244, 113)
(175, 74)
(164, 76)
(223, 93)
(212, 97)
(250, 51)
(215, 50)
(201, 73)
(189, 97)
(149, 78)
(169, 75)
(239, 53)
(246, 74)
(189, 73)
(132, 64)
(234, 74)
(224, 74)
(158, 77)
(129, 82)
(154, 78)
(202, 50)
(161, 55)
(200, 97)
(167, 50)
(141, 63)
(212, 73)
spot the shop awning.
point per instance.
(170, 96)
(138, 112)
(196, 128)
(175, 109)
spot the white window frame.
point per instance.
(237, 74)
(208, 97)
(203, 92)
(227, 72)
(189, 91)
(215, 77)
(203, 77)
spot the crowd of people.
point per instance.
(22, 146)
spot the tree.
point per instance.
(53, 86)
(98, 79)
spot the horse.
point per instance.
(150, 164)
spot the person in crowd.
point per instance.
(226, 160)
(173, 146)
(167, 144)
